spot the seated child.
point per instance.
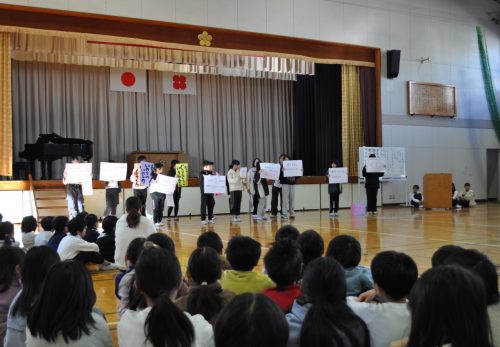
(388, 318)
(416, 198)
(212, 239)
(467, 197)
(347, 251)
(60, 229)
(283, 263)
(439, 257)
(43, 236)
(205, 296)
(7, 235)
(73, 246)
(311, 246)
(288, 232)
(106, 241)
(243, 254)
(28, 228)
(91, 233)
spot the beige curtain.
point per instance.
(352, 132)
(229, 118)
(5, 106)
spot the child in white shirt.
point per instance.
(43, 236)
(467, 197)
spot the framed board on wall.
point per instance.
(395, 160)
(432, 99)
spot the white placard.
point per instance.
(270, 171)
(292, 168)
(113, 171)
(375, 165)
(337, 175)
(164, 184)
(78, 173)
(87, 188)
(214, 184)
(243, 172)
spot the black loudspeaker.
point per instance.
(393, 63)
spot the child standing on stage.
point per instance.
(253, 197)
(236, 184)
(158, 198)
(113, 192)
(207, 200)
(177, 192)
(372, 184)
(139, 191)
(74, 193)
(416, 198)
(334, 190)
(287, 193)
(276, 193)
(261, 191)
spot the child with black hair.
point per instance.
(439, 257)
(261, 192)
(311, 246)
(211, 239)
(158, 198)
(162, 240)
(140, 191)
(287, 192)
(7, 235)
(322, 317)
(372, 184)
(67, 286)
(254, 199)
(251, 320)
(28, 227)
(177, 192)
(11, 260)
(283, 263)
(91, 233)
(207, 200)
(416, 198)
(60, 224)
(480, 264)
(388, 318)
(236, 186)
(158, 276)
(287, 232)
(106, 241)
(205, 296)
(334, 191)
(37, 263)
(347, 251)
(73, 246)
(243, 254)
(74, 193)
(44, 236)
(467, 198)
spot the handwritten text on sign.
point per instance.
(293, 168)
(165, 184)
(146, 171)
(270, 171)
(337, 175)
(182, 170)
(375, 165)
(214, 184)
(78, 173)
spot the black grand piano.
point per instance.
(50, 147)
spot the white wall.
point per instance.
(443, 30)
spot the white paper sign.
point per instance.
(337, 175)
(243, 172)
(214, 184)
(375, 165)
(165, 184)
(293, 168)
(270, 171)
(78, 173)
(87, 188)
(113, 171)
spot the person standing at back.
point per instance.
(207, 200)
(372, 184)
(140, 191)
(74, 193)
(177, 192)
(276, 193)
(236, 185)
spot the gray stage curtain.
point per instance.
(230, 117)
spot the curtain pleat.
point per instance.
(352, 132)
(229, 118)
(368, 105)
(5, 106)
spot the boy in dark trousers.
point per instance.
(207, 200)
(372, 184)
(334, 191)
(416, 198)
(158, 198)
(139, 191)
(74, 194)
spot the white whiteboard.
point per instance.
(395, 159)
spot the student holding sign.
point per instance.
(254, 198)
(334, 190)
(177, 192)
(113, 192)
(74, 193)
(287, 192)
(372, 184)
(158, 197)
(207, 200)
(236, 185)
(140, 191)
(276, 193)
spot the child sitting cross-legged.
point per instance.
(283, 264)
(243, 254)
(347, 251)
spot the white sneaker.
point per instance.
(292, 215)
(254, 216)
(335, 214)
(238, 219)
(204, 222)
(107, 267)
(331, 215)
(211, 221)
(284, 216)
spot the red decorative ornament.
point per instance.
(179, 82)
(128, 79)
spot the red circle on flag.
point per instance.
(128, 79)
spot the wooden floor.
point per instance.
(416, 232)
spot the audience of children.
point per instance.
(28, 228)
(44, 236)
(211, 239)
(443, 252)
(416, 198)
(106, 240)
(311, 246)
(287, 232)
(347, 251)
(91, 233)
(7, 234)
(60, 225)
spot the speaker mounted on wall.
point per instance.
(393, 57)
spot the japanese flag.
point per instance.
(179, 83)
(127, 80)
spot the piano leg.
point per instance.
(32, 170)
(49, 169)
(44, 169)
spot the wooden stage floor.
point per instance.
(416, 232)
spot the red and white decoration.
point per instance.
(179, 83)
(127, 80)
